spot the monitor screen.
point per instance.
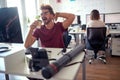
(88, 18)
(77, 20)
(10, 29)
(112, 18)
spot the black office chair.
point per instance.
(66, 38)
(95, 41)
(83, 27)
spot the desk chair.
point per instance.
(95, 41)
(83, 27)
(66, 38)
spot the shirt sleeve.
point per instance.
(35, 33)
(59, 24)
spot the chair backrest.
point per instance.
(66, 38)
(96, 36)
(83, 27)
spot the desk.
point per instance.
(21, 67)
(114, 31)
(8, 59)
(82, 32)
(115, 45)
(77, 33)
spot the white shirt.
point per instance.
(96, 23)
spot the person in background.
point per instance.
(96, 22)
(50, 33)
(95, 19)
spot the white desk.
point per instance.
(21, 67)
(82, 32)
(77, 33)
(114, 31)
(8, 59)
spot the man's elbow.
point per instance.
(72, 16)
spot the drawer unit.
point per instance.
(116, 46)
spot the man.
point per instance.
(50, 34)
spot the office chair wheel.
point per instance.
(90, 61)
(104, 61)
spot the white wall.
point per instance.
(83, 7)
(112, 6)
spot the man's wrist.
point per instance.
(32, 27)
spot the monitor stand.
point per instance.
(4, 47)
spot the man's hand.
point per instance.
(35, 24)
(56, 16)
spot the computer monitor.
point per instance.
(88, 18)
(112, 18)
(77, 20)
(10, 28)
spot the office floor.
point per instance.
(95, 71)
(99, 71)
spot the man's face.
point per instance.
(46, 16)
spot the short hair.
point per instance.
(48, 7)
(94, 15)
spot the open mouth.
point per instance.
(44, 18)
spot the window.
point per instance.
(26, 9)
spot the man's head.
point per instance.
(47, 14)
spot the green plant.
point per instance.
(37, 17)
